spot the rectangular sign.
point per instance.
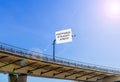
(63, 36)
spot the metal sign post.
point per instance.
(54, 41)
(62, 36)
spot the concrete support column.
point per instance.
(22, 78)
(12, 78)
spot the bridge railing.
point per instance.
(44, 57)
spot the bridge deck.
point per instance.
(16, 60)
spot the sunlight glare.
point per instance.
(112, 9)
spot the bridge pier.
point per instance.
(12, 78)
(17, 78)
(22, 78)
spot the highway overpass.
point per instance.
(20, 63)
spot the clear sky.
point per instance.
(32, 24)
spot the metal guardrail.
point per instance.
(44, 57)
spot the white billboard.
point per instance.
(63, 36)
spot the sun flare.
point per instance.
(112, 9)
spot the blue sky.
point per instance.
(32, 24)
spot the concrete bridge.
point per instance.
(20, 63)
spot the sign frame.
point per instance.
(63, 36)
